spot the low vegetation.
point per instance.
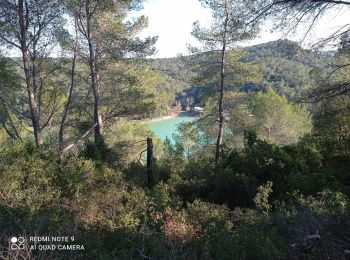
(267, 202)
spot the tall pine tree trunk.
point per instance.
(94, 77)
(221, 94)
(71, 90)
(220, 108)
(32, 97)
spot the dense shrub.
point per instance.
(26, 175)
(263, 203)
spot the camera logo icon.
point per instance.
(17, 243)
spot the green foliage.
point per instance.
(278, 120)
(254, 242)
(27, 173)
(133, 88)
(10, 86)
(226, 238)
(295, 167)
(99, 152)
(261, 198)
(127, 139)
(282, 64)
(323, 214)
(271, 116)
(331, 120)
(189, 210)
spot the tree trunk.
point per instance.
(150, 159)
(94, 77)
(221, 111)
(33, 103)
(71, 90)
(221, 94)
(15, 134)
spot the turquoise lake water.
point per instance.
(165, 128)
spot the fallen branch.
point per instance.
(140, 158)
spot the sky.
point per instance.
(171, 21)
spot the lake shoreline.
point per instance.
(161, 118)
(170, 116)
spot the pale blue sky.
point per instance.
(172, 21)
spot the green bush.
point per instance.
(190, 212)
(26, 176)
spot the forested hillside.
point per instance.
(261, 171)
(285, 66)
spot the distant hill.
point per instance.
(291, 51)
(286, 67)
